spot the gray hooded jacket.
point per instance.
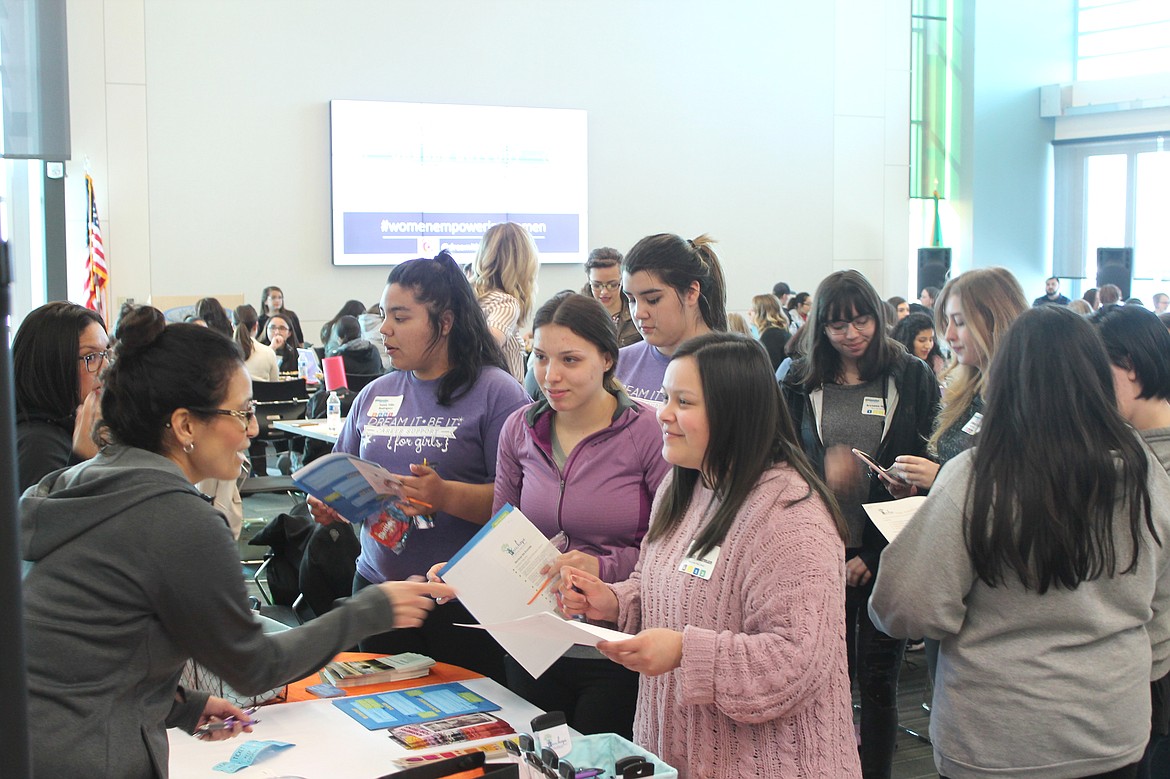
(130, 572)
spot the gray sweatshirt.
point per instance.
(133, 572)
(1029, 686)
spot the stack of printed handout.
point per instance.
(499, 580)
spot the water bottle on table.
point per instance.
(333, 413)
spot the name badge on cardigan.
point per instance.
(700, 566)
(873, 407)
(974, 424)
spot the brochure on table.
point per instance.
(498, 577)
(420, 704)
(355, 488)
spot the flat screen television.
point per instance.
(412, 179)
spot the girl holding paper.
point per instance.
(435, 422)
(975, 311)
(584, 462)
(1041, 563)
(857, 388)
(739, 592)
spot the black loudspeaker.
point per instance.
(1115, 266)
(934, 267)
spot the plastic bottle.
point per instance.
(333, 412)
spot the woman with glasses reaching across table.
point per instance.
(161, 579)
(857, 388)
(58, 357)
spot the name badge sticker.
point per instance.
(873, 407)
(700, 566)
(974, 425)
(385, 406)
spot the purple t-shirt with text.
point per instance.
(397, 420)
(641, 368)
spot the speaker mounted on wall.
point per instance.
(934, 267)
(1115, 266)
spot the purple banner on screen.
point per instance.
(426, 234)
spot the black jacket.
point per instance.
(914, 398)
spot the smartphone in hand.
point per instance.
(883, 473)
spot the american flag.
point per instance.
(97, 273)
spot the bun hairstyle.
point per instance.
(348, 329)
(157, 369)
(680, 263)
(588, 319)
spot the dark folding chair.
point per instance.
(275, 400)
(357, 381)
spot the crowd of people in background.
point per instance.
(701, 470)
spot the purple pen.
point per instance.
(227, 722)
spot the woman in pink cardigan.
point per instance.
(738, 598)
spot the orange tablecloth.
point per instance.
(441, 672)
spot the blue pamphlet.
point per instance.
(419, 704)
(355, 488)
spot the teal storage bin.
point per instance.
(602, 749)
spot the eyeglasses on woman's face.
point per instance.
(610, 286)
(278, 328)
(246, 416)
(841, 326)
(94, 360)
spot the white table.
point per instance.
(309, 428)
(329, 744)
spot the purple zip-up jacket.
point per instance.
(602, 498)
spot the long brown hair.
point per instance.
(750, 431)
(1053, 461)
(992, 298)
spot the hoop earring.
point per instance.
(189, 447)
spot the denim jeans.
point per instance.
(875, 661)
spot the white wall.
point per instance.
(1006, 157)
(779, 127)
